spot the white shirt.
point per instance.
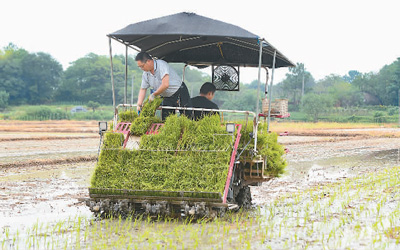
(161, 68)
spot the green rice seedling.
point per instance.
(267, 146)
(185, 155)
(141, 124)
(149, 169)
(149, 108)
(127, 116)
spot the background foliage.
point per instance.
(38, 79)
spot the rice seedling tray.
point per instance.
(155, 195)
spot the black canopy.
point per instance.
(197, 40)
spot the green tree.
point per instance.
(389, 81)
(93, 105)
(42, 75)
(351, 76)
(4, 99)
(293, 83)
(343, 94)
(88, 79)
(11, 74)
(28, 77)
(368, 84)
(383, 86)
(243, 100)
(314, 104)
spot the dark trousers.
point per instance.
(180, 98)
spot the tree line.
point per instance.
(37, 78)
(354, 89)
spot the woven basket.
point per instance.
(278, 106)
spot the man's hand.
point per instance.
(151, 98)
(139, 108)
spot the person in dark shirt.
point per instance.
(207, 92)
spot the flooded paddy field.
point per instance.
(338, 192)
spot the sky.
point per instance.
(329, 37)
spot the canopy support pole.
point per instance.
(183, 75)
(126, 76)
(255, 127)
(126, 44)
(112, 84)
(133, 78)
(266, 83)
(270, 90)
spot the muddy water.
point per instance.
(51, 193)
(301, 175)
(43, 193)
(16, 151)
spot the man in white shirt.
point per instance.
(165, 82)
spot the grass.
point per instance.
(54, 112)
(356, 213)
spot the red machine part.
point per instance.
(232, 162)
(125, 128)
(154, 128)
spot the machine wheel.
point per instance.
(243, 198)
(241, 193)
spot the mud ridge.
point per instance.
(345, 135)
(336, 139)
(48, 162)
(46, 138)
(315, 133)
(53, 130)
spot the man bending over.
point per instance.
(164, 81)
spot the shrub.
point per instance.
(393, 110)
(379, 117)
(314, 105)
(4, 99)
(43, 113)
(99, 115)
(93, 105)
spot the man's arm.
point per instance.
(142, 94)
(164, 85)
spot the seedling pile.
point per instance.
(140, 124)
(185, 155)
(127, 116)
(267, 146)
